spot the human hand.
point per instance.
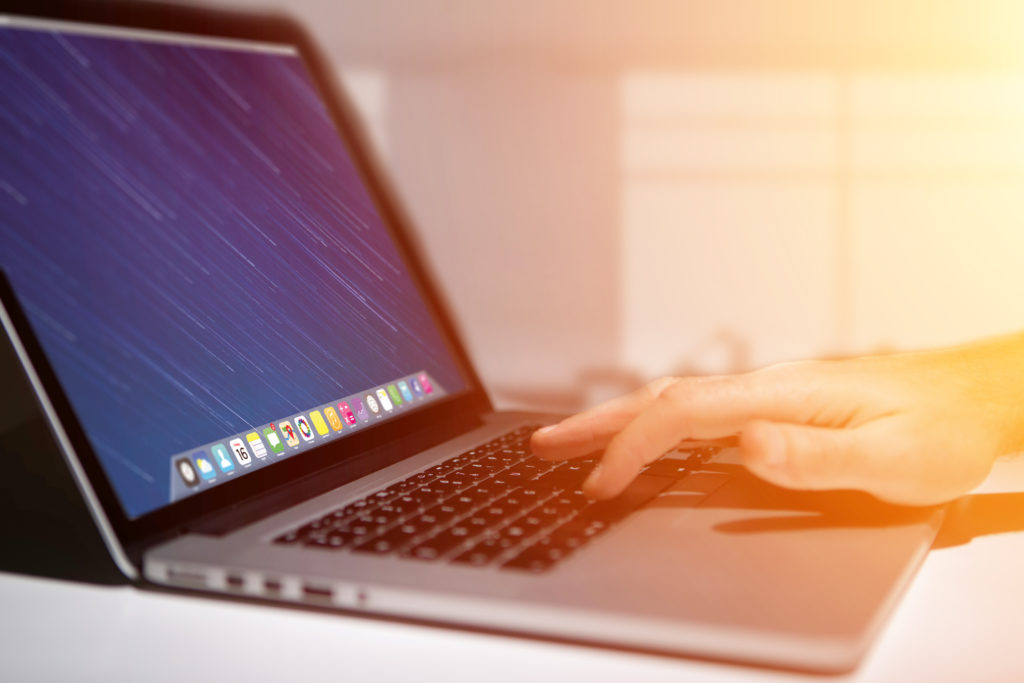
(913, 429)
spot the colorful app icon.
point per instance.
(290, 437)
(332, 417)
(396, 398)
(220, 456)
(416, 386)
(360, 410)
(427, 388)
(241, 452)
(187, 472)
(318, 423)
(256, 444)
(270, 434)
(404, 388)
(382, 396)
(204, 465)
(305, 431)
(346, 412)
(372, 402)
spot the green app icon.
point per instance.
(396, 397)
(274, 440)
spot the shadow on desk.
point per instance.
(45, 527)
(967, 518)
(981, 514)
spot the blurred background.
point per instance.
(608, 191)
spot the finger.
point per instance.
(591, 431)
(804, 457)
(707, 408)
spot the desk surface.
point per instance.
(960, 620)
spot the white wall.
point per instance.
(612, 190)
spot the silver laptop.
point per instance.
(255, 385)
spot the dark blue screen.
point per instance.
(193, 245)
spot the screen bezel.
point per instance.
(265, 28)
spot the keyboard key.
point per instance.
(442, 543)
(493, 504)
(481, 554)
(668, 467)
(398, 538)
(536, 558)
(486, 549)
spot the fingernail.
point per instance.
(545, 430)
(595, 475)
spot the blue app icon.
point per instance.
(416, 386)
(204, 465)
(404, 388)
(220, 456)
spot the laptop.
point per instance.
(216, 299)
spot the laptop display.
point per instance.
(199, 256)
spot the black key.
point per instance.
(668, 467)
(463, 503)
(499, 483)
(344, 537)
(449, 484)
(550, 513)
(309, 528)
(517, 532)
(322, 542)
(486, 465)
(361, 528)
(407, 504)
(495, 514)
(568, 476)
(440, 514)
(427, 496)
(520, 473)
(537, 558)
(568, 537)
(643, 488)
(478, 521)
(288, 538)
(388, 514)
(442, 543)
(482, 492)
(392, 541)
(512, 504)
(570, 500)
(482, 553)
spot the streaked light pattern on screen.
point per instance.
(192, 245)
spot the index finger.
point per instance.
(591, 430)
(705, 408)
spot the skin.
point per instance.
(913, 429)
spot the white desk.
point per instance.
(962, 619)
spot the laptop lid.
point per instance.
(208, 282)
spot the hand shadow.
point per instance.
(965, 518)
(981, 514)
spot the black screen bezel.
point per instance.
(268, 28)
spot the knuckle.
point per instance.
(655, 388)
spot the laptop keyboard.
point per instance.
(494, 505)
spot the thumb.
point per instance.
(803, 457)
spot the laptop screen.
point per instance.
(199, 257)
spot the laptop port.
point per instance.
(317, 593)
(186, 576)
(236, 581)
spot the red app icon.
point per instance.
(425, 383)
(346, 412)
